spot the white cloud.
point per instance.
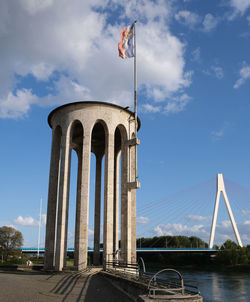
(245, 212)
(196, 54)
(226, 223)
(142, 220)
(240, 6)
(224, 230)
(177, 104)
(26, 221)
(248, 19)
(218, 71)
(215, 71)
(218, 134)
(144, 9)
(18, 104)
(179, 229)
(244, 75)
(34, 6)
(42, 71)
(91, 233)
(11, 226)
(187, 18)
(71, 46)
(30, 221)
(209, 22)
(198, 218)
(150, 108)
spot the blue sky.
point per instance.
(193, 63)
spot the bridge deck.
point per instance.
(155, 250)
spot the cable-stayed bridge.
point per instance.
(34, 250)
(190, 213)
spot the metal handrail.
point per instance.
(169, 288)
(143, 266)
(121, 266)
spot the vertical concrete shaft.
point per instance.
(98, 179)
(66, 222)
(82, 234)
(52, 200)
(116, 201)
(133, 226)
(62, 201)
(108, 199)
(78, 205)
(132, 210)
(124, 203)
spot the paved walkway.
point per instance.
(87, 286)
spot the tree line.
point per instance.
(228, 254)
(171, 242)
(232, 254)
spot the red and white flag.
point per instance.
(126, 45)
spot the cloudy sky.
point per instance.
(193, 63)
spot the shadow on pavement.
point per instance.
(100, 289)
(20, 272)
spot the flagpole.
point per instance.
(135, 99)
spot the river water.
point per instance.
(220, 287)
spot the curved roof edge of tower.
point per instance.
(92, 102)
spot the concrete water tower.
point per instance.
(108, 131)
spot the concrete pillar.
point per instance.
(98, 178)
(66, 223)
(116, 201)
(81, 255)
(132, 211)
(108, 199)
(62, 201)
(78, 205)
(128, 203)
(125, 238)
(52, 200)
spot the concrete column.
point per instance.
(125, 234)
(62, 201)
(108, 199)
(81, 255)
(52, 200)
(116, 201)
(66, 225)
(78, 204)
(132, 215)
(98, 179)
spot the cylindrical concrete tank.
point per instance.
(108, 131)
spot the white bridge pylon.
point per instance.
(221, 189)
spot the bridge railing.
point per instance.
(117, 264)
(164, 284)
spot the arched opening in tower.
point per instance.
(98, 145)
(77, 134)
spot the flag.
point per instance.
(126, 45)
